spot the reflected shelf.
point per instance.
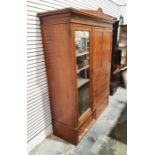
(82, 53)
(82, 81)
(85, 67)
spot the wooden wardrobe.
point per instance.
(77, 46)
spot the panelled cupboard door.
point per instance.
(101, 65)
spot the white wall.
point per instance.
(38, 108)
(123, 12)
(120, 2)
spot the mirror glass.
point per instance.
(82, 43)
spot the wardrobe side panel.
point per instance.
(58, 58)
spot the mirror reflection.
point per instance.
(82, 43)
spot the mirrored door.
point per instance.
(82, 43)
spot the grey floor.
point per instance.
(108, 136)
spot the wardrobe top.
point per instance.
(97, 14)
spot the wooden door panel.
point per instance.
(97, 54)
(101, 66)
(107, 44)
